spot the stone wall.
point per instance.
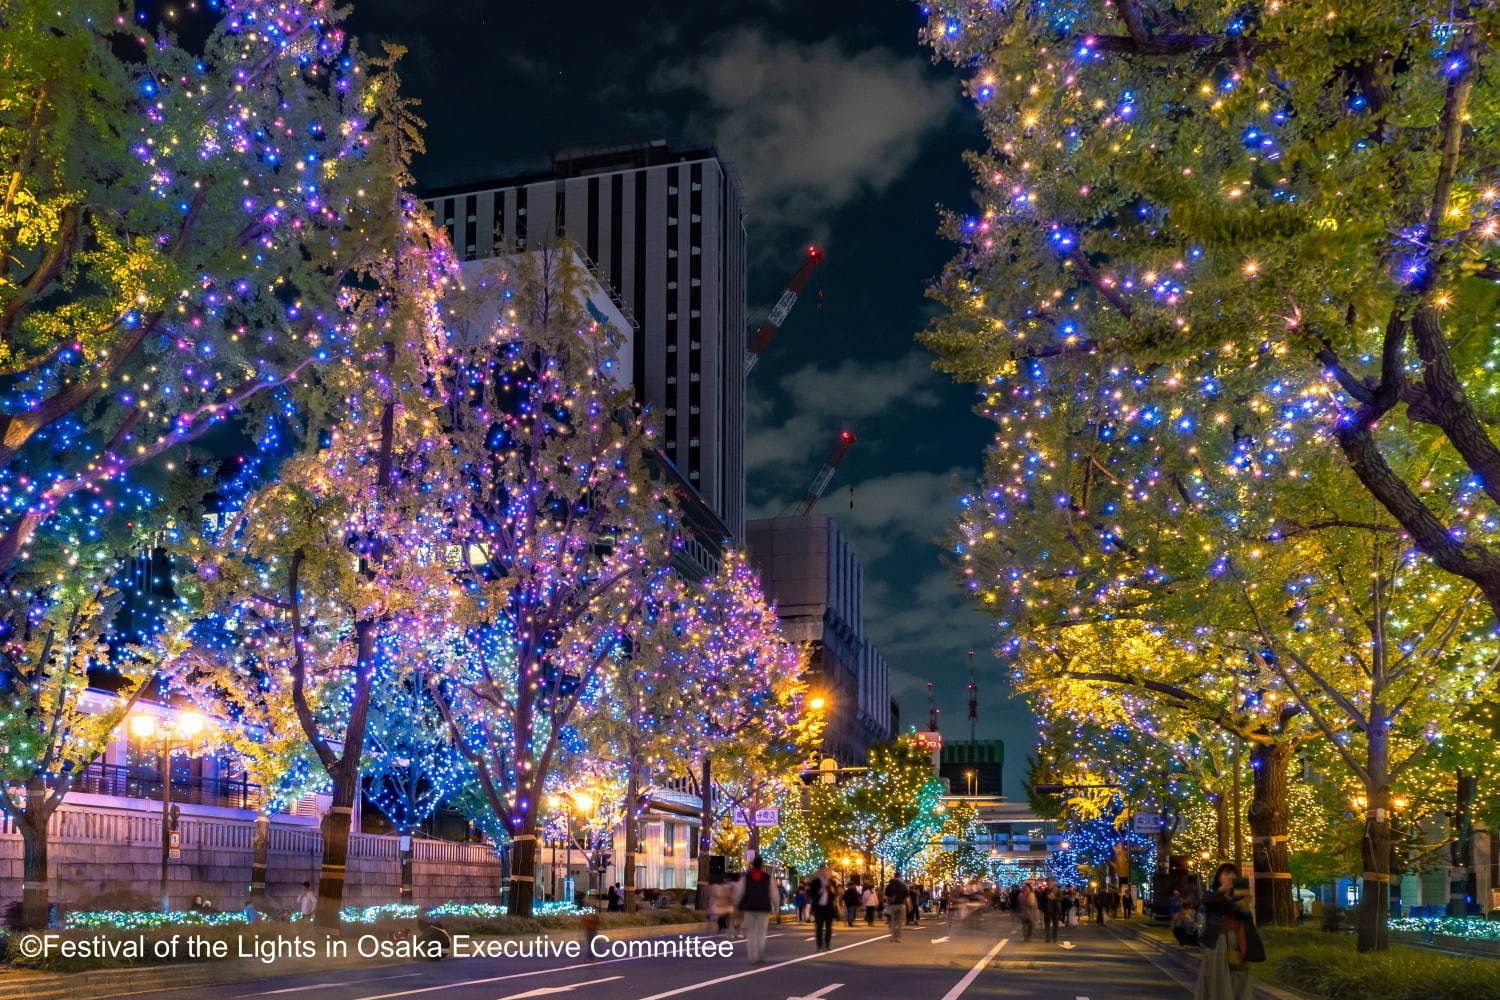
(106, 857)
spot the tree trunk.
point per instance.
(1462, 883)
(1161, 879)
(260, 853)
(1269, 822)
(34, 872)
(1375, 847)
(336, 827)
(632, 836)
(408, 888)
(705, 831)
(1222, 831)
(523, 863)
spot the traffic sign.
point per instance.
(1146, 823)
(174, 844)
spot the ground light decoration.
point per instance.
(560, 528)
(1160, 309)
(177, 228)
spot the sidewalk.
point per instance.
(22, 984)
(1188, 959)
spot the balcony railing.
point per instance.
(142, 783)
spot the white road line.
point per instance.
(973, 973)
(821, 993)
(497, 979)
(809, 939)
(319, 986)
(567, 988)
(940, 940)
(748, 972)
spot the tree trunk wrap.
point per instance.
(1269, 824)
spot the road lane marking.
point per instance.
(497, 979)
(973, 973)
(319, 986)
(542, 991)
(749, 972)
(821, 993)
(940, 940)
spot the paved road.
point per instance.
(937, 961)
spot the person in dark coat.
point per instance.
(1050, 902)
(823, 893)
(852, 896)
(1229, 939)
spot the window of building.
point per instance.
(669, 839)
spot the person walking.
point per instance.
(852, 898)
(895, 904)
(801, 900)
(1026, 912)
(1099, 901)
(1229, 939)
(1129, 901)
(823, 892)
(1051, 904)
(872, 903)
(757, 897)
(720, 904)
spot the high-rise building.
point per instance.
(664, 229)
(810, 571)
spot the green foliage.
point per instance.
(1327, 965)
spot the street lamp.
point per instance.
(970, 776)
(183, 732)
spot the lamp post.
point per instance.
(183, 732)
(970, 776)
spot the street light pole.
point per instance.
(148, 730)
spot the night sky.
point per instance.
(844, 134)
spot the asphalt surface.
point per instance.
(940, 960)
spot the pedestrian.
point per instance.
(250, 912)
(1013, 898)
(852, 900)
(757, 897)
(307, 902)
(720, 904)
(913, 906)
(1099, 901)
(1129, 901)
(1050, 904)
(801, 900)
(1185, 925)
(823, 896)
(1229, 939)
(872, 903)
(589, 925)
(616, 898)
(1025, 911)
(895, 904)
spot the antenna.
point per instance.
(932, 712)
(973, 701)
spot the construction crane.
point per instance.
(772, 323)
(825, 475)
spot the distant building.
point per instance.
(973, 767)
(664, 230)
(817, 583)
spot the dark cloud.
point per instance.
(813, 126)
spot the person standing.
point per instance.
(913, 906)
(1026, 912)
(307, 902)
(1129, 901)
(1229, 939)
(1099, 901)
(872, 903)
(720, 904)
(895, 904)
(822, 893)
(757, 897)
(1051, 905)
(801, 900)
(852, 897)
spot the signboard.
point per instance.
(1149, 824)
(928, 740)
(174, 844)
(763, 817)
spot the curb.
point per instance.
(94, 984)
(1188, 960)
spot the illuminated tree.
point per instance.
(1270, 229)
(177, 225)
(48, 736)
(560, 528)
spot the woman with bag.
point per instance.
(1229, 939)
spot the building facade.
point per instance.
(810, 571)
(973, 767)
(665, 230)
